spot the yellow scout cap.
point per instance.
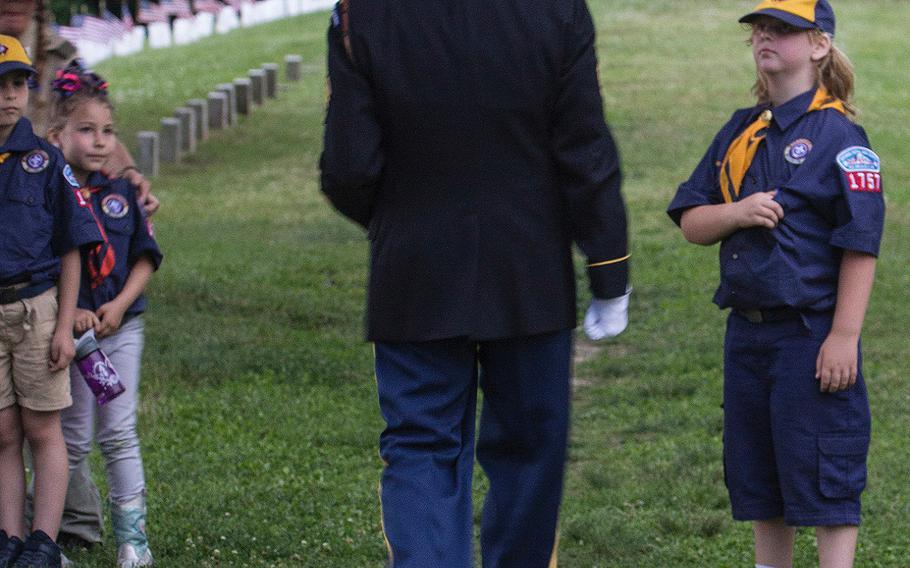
(804, 14)
(13, 56)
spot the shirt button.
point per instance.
(735, 256)
(31, 201)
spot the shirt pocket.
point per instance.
(29, 223)
(123, 227)
(842, 465)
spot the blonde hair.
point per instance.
(834, 72)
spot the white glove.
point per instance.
(607, 318)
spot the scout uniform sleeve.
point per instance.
(700, 189)
(860, 208)
(352, 157)
(588, 163)
(143, 239)
(74, 224)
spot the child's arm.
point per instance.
(708, 224)
(836, 365)
(62, 347)
(111, 313)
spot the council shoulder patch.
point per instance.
(115, 206)
(859, 159)
(862, 169)
(70, 177)
(35, 161)
(796, 151)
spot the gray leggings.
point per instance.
(115, 421)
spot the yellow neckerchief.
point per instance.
(742, 150)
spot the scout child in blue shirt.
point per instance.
(110, 303)
(44, 221)
(793, 192)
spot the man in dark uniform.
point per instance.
(469, 139)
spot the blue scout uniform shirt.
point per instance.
(828, 182)
(129, 234)
(42, 214)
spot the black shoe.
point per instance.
(40, 551)
(10, 548)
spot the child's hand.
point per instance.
(836, 365)
(63, 349)
(759, 210)
(85, 320)
(111, 316)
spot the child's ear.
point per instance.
(53, 136)
(821, 46)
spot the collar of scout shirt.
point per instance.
(741, 152)
(98, 181)
(794, 109)
(21, 139)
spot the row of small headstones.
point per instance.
(190, 124)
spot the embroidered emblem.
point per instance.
(70, 177)
(862, 169)
(859, 159)
(35, 161)
(797, 151)
(3, 49)
(80, 199)
(115, 206)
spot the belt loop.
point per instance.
(29, 315)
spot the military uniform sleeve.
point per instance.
(143, 240)
(75, 225)
(352, 158)
(860, 207)
(588, 163)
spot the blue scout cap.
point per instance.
(13, 56)
(804, 14)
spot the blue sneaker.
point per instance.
(10, 548)
(40, 551)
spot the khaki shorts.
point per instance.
(26, 330)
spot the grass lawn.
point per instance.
(259, 420)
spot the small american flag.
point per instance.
(151, 12)
(179, 8)
(210, 6)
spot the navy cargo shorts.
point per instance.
(790, 450)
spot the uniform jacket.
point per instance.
(829, 184)
(130, 235)
(42, 214)
(469, 139)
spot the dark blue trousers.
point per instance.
(428, 397)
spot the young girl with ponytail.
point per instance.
(792, 191)
(111, 304)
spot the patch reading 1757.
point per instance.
(861, 167)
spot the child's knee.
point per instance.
(120, 445)
(10, 428)
(41, 428)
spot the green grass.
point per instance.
(259, 420)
